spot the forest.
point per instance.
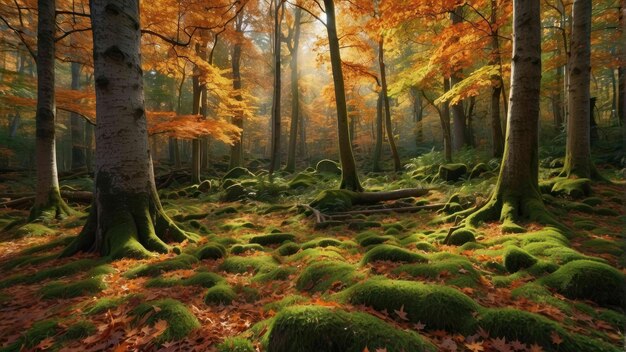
(313, 175)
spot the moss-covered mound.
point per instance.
(516, 259)
(240, 265)
(220, 294)
(236, 344)
(439, 307)
(324, 275)
(314, 329)
(328, 167)
(332, 200)
(461, 236)
(386, 252)
(370, 238)
(54, 272)
(322, 242)
(302, 180)
(585, 279)
(452, 172)
(180, 321)
(34, 230)
(288, 248)
(454, 270)
(183, 261)
(237, 172)
(211, 251)
(202, 279)
(572, 187)
(478, 170)
(242, 248)
(272, 238)
(73, 289)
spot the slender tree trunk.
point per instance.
(276, 116)
(48, 202)
(195, 143)
(126, 218)
(444, 117)
(378, 147)
(417, 115)
(496, 124)
(77, 125)
(349, 176)
(459, 132)
(295, 94)
(89, 134)
(236, 150)
(397, 165)
(302, 149)
(578, 151)
(517, 194)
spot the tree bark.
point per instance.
(126, 218)
(444, 117)
(295, 93)
(459, 132)
(48, 202)
(77, 125)
(496, 124)
(275, 142)
(397, 165)
(195, 110)
(349, 176)
(417, 114)
(516, 195)
(236, 150)
(378, 147)
(578, 150)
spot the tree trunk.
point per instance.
(517, 194)
(496, 124)
(126, 218)
(89, 134)
(397, 165)
(578, 150)
(302, 149)
(275, 145)
(444, 117)
(195, 143)
(459, 132)
(378, 147)
(77, 125)
(48, 202)
(236, 150)
(349, 176)
(417, 114)
(295, 94)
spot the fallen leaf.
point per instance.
(475, 346)
(401, 313)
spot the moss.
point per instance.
(59, 242)
(78, 330)
(237, 172)
(585, 224)
(289, 300)
(313, 329)
(26, 260)
(461, 236)
(599, 245)
(471, 246)
(202, 279)
(324, 275)
(361, 225)
(236, 344)
(316, 254)
(592, 201)
(541, 295)
(225, 210)
(242, 248)
(183, 261)
(248, 293)
(107, 303)
(278, 274)
(452, 172)
(302, 180)
(606, 212)
(478, 170)
(328, 167)
(542, 267)
(384, 252)
(439, 307)
(516, 259)
(72, 289)
(272, 238)
(242, 265)
(333, 200)
(51, 273)
(322, 242)
(180, 321)
(234, 192)
(425, 246)
(572, 187)
(220, 295)
(38, 332)
(211, 251)
(34, 230)
(288, 248)
(584, 279)
(456, 271)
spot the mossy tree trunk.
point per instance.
(516, 195)
(126, 218)
(48, 202)
(349, 176)
(236, 150)
(293, 46)
(378, 147)
(578, 151)
(496, 125)
(397, 165)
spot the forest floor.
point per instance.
(264, 277)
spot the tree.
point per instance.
(293, 44)
(578, 150)
(48, 201)
(459, 129)
(126, 218)
(349, 176)
(278, 12)
(517, 195)
(78, 126)
(397, 165)
(236, 150)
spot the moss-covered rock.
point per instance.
(180, 321)
(220, 295)
(363, 224)
(322, 242)
(236, 344)
(240, 265)
(454, 270)
(243, 248)
(234, 192)
(236, 173)
(288, 248)
(452, 172)
(585, 279)
(385, 252)
(87, 286)
(183, 261)
(328, 167)
(324, 275)
(333, 200)
(316, 254)
(34, 230)
(273, 238)
(225, 210)
(439, 307)
(211, 251)
(202, 279)
(478, 170)
(205, 186)
(302, 180)
(461, 236)
(572, 187)
(516, 259)
(314, 329)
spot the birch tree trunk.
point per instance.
(126, 217)
(516, 195)
(48, 202)
(397, 165)
(295, 93)
(578, 150)
(349, 176)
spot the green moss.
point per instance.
(183, 261)
(237, 172)
(316, 254)
(361, 225)
(461, 236)
(26, 260)
(456, 271)
(439, 307)
(78, 330)
(516, 259)
(425, 246)
(288, 248)
(302, 180)
(236, 344)
(384, 252)
(180, 321)
(584, 279)
(326, 166)
(278, 274)
(574, 188)
(452, 172)
(322, 242)
(370, 238)
(592, 201)
(313, 329)
(108, 303)
(324, 275)
(34, 230)
(242, 265)
(542, 267)
(211, 251)
(272, 238)
(599, 245)
(38, 332)
(202, 279)
(220, 295)
(478, 170)
(606, 212)
(59, 242)
(51, 273)
(88, 286)
(333, 200)
(242, 248)
(225, 210)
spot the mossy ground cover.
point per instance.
(263, 277)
